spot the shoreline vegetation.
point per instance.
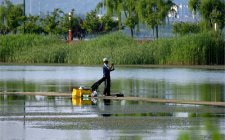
(195, 49)
(209, 67)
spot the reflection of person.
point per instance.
(106, 78)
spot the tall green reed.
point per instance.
(201, 49)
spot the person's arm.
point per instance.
(112, 67)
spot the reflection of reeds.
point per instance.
(204, 48)
(210, 130)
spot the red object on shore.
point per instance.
(69, 36)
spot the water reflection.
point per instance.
(208, 85)
(112, 118)
(82, 101)
(116, 117)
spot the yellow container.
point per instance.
(81, 92)
(80, 101)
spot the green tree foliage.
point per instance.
(11, 17)
(131, 14)
(108, 24)
(94, 24)
(194, 5)
(14, 17)
(153, 12)
(32, 26)
(56, 22)
(114, 8)
(185, 28)
(212, 11)
(121, 8)
(51, 22)
(65, 24)
(71, 22)
(3, 13)
(4, 9)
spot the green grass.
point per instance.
(196, 49)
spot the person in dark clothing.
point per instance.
(106, 78)
(106, 74)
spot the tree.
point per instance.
(33, 25)
(73, 24)
(4, 10)
(108, 24)
(211, 11)
(113, 8)
(121, 8)
(92, 22)
(51, 22)
(11, 17)
(194, 5)
(131, 15)
(3, 14)
(151, 12)
(99, 24)
(3, 29)
(154, 12)
(3, 26)
(14, 17)
(65, 24)
(117, 8)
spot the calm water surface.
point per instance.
(38, 117)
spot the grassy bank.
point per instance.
(198, 49)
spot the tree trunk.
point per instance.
(153, 31)
(157, 31)
(132, 32)
(119, 21)
(119, 24)
(168, 20)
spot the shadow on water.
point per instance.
(107, 102)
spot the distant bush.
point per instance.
(185, 28)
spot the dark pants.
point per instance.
(107, 87)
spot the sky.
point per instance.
(36, 7)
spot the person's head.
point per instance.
(105, 60)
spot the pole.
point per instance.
(24, 14)
(70, 36)
(70, 32)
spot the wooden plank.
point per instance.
(38, 93)
(158, 100)
(129, 98)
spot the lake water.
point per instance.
(37, 117)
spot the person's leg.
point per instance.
(105, 88)
(101, 80)
(96, 84)
(108, 87)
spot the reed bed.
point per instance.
(195, 49)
